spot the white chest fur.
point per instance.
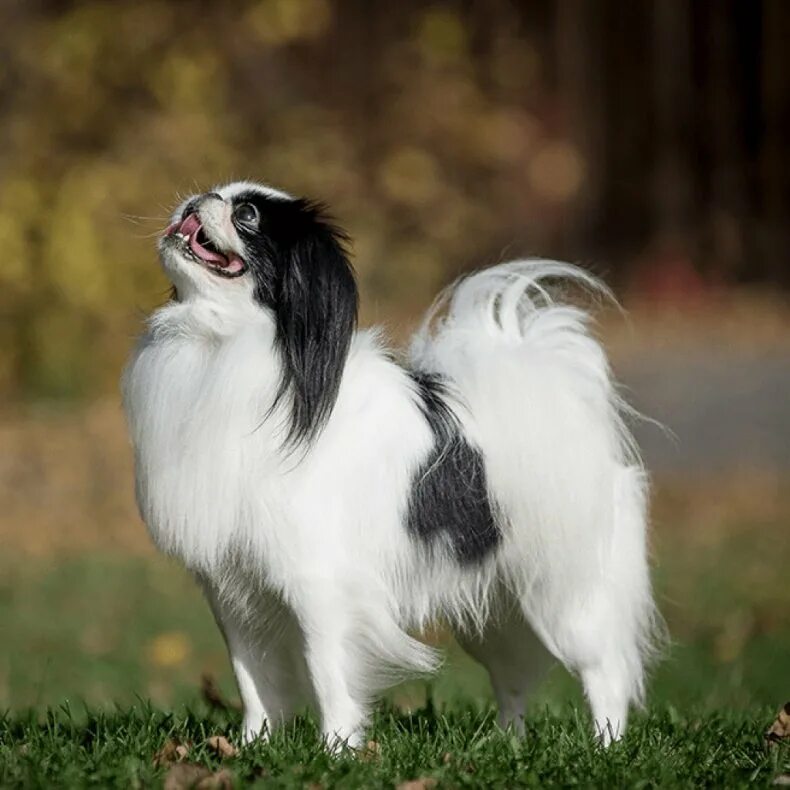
(211, 475)
(196, 408)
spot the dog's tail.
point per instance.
(563, 470)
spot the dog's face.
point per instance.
(221, 236)
(244, 246)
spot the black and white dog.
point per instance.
(330, 499)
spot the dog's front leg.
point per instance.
(265, 661)
(333, 661)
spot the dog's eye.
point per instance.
(246, 214)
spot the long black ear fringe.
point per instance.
(316, 314)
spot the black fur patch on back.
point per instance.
(449, 500)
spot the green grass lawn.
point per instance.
(456, 748)
(101, 657)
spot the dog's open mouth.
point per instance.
(194, 239)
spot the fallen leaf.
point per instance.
(782, 779)
(370, 753)
(185, 775)
(424, 783)
(172, 751)
(222, 746)
(447, 758)
(221, 780)
(191, 776)
(780, 729)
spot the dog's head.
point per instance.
(246, 246)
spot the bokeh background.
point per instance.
(647, 141)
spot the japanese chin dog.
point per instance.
(333, 498)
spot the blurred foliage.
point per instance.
(433, 155)
(445, 135)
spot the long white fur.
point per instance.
(306, 561)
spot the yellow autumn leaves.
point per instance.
(168, 649)
(434, 156)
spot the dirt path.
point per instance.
(726, 409)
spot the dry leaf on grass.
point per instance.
(213, 696)
(172, 751)
(782, 779)
(780, 729)
(370, 753)
(221, 746)
(190, 776)
(221, 780)
(425, 783)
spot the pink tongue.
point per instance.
(234, 264)
(189, 228)
(202, 252)
(190, 225)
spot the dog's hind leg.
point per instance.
(608, 687)
(601, 622)
(515, 660)
(598, 643)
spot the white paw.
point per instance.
(338, 739)
(514, 721)
(254, 730)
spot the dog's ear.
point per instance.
(316, 314)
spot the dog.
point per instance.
(332, 498)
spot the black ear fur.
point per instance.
(315, 306)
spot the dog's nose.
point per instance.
(197, 202)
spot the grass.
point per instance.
(459, 748)
(101, 655)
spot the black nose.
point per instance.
(196, 202)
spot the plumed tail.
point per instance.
(563, 469)
(525, 304)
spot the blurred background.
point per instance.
(646, 141)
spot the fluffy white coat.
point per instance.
(304, 556)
